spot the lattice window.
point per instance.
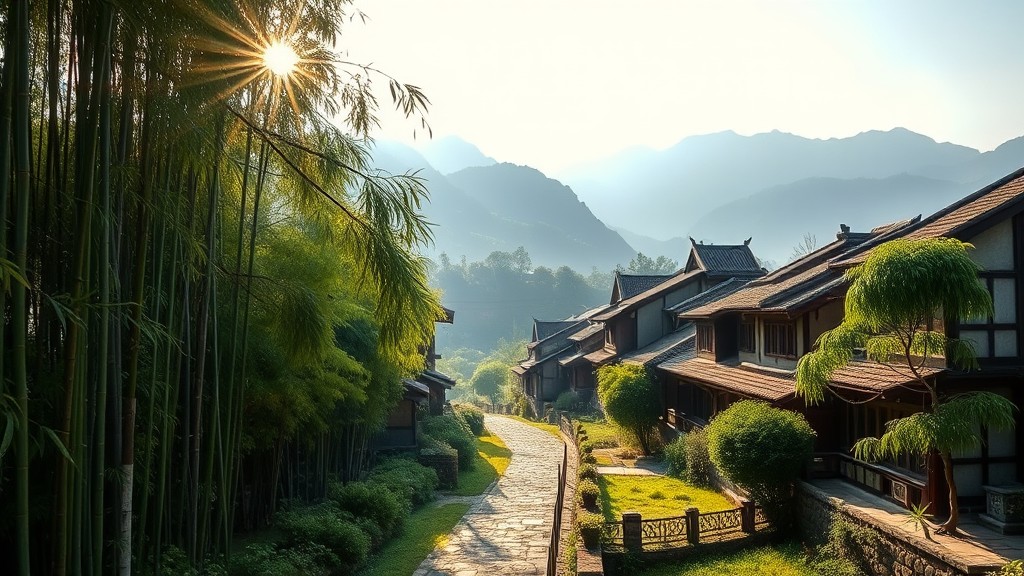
(706, 338)
(780, 339)
(748, 337)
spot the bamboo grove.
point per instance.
(209, 297)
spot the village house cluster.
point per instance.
(723, 329)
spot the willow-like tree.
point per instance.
(893, 300)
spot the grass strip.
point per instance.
(426, 529)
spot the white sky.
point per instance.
(561, 82)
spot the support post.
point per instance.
(693, 525)
(632, 531)
(747, 516)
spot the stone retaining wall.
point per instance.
(446, 466)
(895, 552)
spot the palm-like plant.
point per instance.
(891, 304)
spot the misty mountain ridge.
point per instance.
(674, 188)
(450, 154)
(718, 188)
(481, 209)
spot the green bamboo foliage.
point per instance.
(208, 291)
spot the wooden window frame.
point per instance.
(780, 339)
(748, 336)
(705, 338)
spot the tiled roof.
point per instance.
(776, 385)
(416, 388)
(954, 218)
(600, 356)
(519, 369)
(433, 377)
(447, 316)
(785, 282)
(720, 290)
(666, 346)
(575, 358)
(545, 330)
(877, 377)
(738, 379)
(719, 260)
(648, 295)
(586, 332)
(629, 285)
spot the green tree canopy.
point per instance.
(891, 305)
(631, 399)
(643, 264)
(489, 378)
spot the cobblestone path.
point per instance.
(508, 529)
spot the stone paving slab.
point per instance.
(507, 531)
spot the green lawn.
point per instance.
(424, 530)
(655, 497)
(602, 433)
(780, 560)
(492, 459)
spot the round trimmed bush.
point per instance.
(588, 459)
(588, 492)
(763, 449)
(587, 471)
(589, 526)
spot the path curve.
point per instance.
(507, 531)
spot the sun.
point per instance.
(280, 58)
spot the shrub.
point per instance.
(326, 525)
(374, 502)
(632, 401)
(404, 476)
(273, 560)
(589, 526)
(762, 449)
(588, 492)
(843, 553)
(588, 459)
(586, 447)
(699, 470)
(453, 431)
(587, 471)
(675, 457)
(567, 401)
(472, 416)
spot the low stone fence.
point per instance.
(892, 552)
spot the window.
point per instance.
(780, 339)
(748, 337)
(705, 338)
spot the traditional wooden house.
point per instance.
(644, 316)
(429, 388)
(542, 375)
(747, 346)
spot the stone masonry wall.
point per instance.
(896, 552)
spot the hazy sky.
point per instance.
(555, 83)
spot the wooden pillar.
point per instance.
(936, 492)
(693, 525)
(632, 531)
(747, 516)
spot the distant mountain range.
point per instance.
(483, 206)
(719, 188)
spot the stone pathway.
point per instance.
(508, 529)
